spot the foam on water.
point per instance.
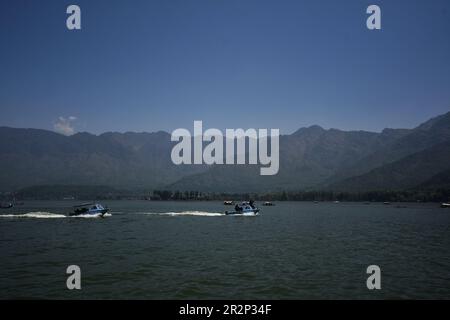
(99, 215)
(38, 214)
(49, 215)
(188, 213)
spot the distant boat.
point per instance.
(445, 205)
(94, 209)
(268, 203)
(6, 205)
(386, 203)
(228, 202)
(336, 201)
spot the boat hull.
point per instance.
(90, 213)
(253, 212)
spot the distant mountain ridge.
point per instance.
(410, 171)
(433, 131)
(130, 160)
(310, 158)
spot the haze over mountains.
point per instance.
(310, 159)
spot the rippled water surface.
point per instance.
(190, 250)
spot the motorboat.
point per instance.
(6, 205)
(445, 205)
(245, 209)
(94, 209)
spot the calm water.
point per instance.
(146, 250)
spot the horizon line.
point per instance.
(281, 134)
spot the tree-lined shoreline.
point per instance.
(63, 192)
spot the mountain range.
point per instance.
(311, 158)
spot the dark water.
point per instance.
(291, 251)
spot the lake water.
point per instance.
(189, 250)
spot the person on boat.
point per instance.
(252, 204)
(237, 208)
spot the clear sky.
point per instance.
(160, 65)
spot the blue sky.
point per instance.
(160, 65)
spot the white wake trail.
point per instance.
(187, 213)
(38, 215)
(49, 215)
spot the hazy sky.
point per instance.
(160, 65)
